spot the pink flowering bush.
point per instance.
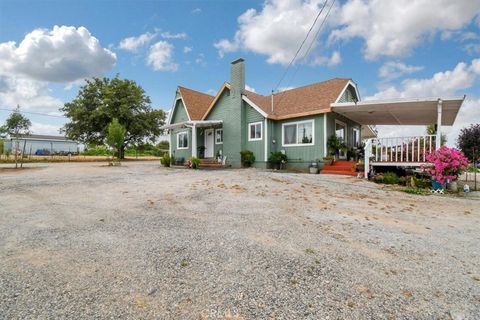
(448, 164)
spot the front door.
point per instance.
(209, 143)
(341, 132)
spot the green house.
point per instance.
(296, 122)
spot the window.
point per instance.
(218, 136)
(356, 137)
(298, 133)
(255, 131)
(182, 140)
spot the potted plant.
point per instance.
(194, 163)
(446, 165)
(277, 159)
(247, 158)
(313, 168)
(335, 145)
(218, 156)
(328, 160)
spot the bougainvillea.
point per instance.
(448, 164)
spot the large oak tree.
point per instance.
(100, 101)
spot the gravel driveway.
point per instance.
(83, 240)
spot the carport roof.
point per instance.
(421, 111)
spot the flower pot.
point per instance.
(327, 162)
(453, 186)
(313, 170)
(437, 185)
(276, 165)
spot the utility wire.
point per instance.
(35, 113)
(301, 45)
(309, 48)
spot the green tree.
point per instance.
(163, 145)
(100, 101)
(15, 126)
(2, 147)
(115, 136)
(469, 142)
(432, 130)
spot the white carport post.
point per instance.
(367, 155)
(194, 141)
(438, 140)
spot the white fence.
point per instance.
(400, 149)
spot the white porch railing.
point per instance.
(398, 150)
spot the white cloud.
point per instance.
(196, 11)
(187, 49)
(247, 87)
(47, 129)
(201, 60)
(331, 61)
(276, 31)
(394, 28)
(168, 35)
(392, 70)
(160, 57)
(133, 43)
(441, 84)
(63, 54)
(29, 94)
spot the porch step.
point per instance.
(340, 167)
(211, 164)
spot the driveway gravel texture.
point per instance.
(88, 241)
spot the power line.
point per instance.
(35, 113)
(309, 47)
(301, 45)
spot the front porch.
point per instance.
(205, 138)
(401, 151)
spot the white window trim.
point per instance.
(346, 129)
(261, 131)
(178, 140)
(312, 121)
(358, 136)
(216, 136)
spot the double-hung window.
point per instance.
(356, 137)
(298, 133)
(255, 131)
(182, 140)
(218, 136)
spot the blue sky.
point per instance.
(391, 49)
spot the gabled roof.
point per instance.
(196, 103)
(310, 99)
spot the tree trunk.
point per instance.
(16, 154)
(23, 152)
(121, 153)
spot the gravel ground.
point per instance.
(82, 240)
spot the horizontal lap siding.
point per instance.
(257, 147)
(301, 156)
(180, 115)
(224, 110)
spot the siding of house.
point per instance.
(224, 110)
(349, 95)
(300, 157)
(180, 115)
(257, 147)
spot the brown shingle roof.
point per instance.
(309, 99)
(197, 103)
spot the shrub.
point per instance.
(416, 191)
(194, 163)
(165, 160)
(448, 164)
(421, 182)
(247, 158)
(390, 178)
(378, 178)
(277, 157)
